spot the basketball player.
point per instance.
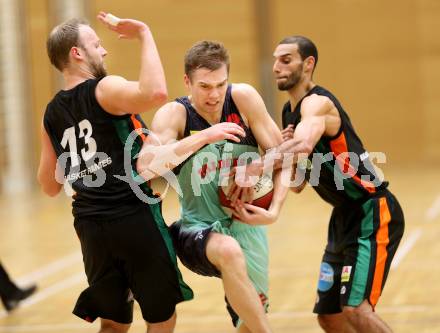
(367, 222)
(10, 294)
(125, 243)
(215, 124)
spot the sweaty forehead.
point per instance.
(286, 49)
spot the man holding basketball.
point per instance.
(216, 124)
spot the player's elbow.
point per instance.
(158, 97)
(161, 96)
(296, 189)
(272, 221)
(51, 190)
(49, 187)
(148, 100)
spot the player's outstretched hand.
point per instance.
(126, 28)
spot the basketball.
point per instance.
(263, 193)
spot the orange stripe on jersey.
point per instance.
(382, 241)
(137, 126)
(338, 147)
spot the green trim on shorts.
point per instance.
(360, 279)
(186, 291)
(123, 130)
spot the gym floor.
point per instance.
(39, 245)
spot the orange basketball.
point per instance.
(263, 193)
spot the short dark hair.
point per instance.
(306, 47)
(206, 54)
(62, 38)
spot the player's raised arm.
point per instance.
(119, 96)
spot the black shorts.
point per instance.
(126, 258)
(362, 242)
(190, 247)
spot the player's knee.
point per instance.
(229, 252)
(329, 323)
(166, 326)
(323, 321)
(109, 326)
(356, 315)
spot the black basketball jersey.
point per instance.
(341, 170)
(89, 144)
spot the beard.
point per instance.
(291, 81)
(97, 69)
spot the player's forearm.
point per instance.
(152, 83)
(155, 160)
(291, 151)
(277, 158)
(191, 144)
(306, 136)
(279, 194)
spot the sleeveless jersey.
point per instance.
(201, 174)
(341, 171)
(199, 178)
(89, 144)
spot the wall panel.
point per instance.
(370, 57)
(381, 59)
(40, 73)
(177, 25)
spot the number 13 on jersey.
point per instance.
(69, 138)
